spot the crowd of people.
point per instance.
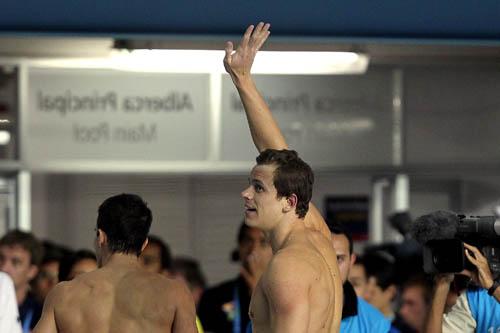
(298, 273)
(377, 296)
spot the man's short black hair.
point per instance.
(339, 229)
(292, 176)
(27, 241)
(380, 264)
(126, 219)
(165, 254)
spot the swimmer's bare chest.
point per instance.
(259, 310)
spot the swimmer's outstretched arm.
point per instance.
(263, 127)
(47, 322)
(238, 63)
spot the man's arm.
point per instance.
(482, 275)
(47, 322)
(238, 63)
(441, 290)
(288, 295)
(185, 313)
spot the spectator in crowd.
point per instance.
(357, 276)
(20, 257)
(9, 314)
(48, 274)
(189, 271)
(156, 257)
(72, 265)
(382, 289)
(224, 308)
(357, 314)
(415, 303)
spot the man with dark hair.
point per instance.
(224, 308)
(357, 276)
(156, 257)
(381, 287)
(120, 296)
(74, 264)
(20, 257)
(300, 291)
(189, 271)
(357, 314)
(48, 272)
(416, 296)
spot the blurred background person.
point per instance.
(48, 273)
(189, 271)
(224, 308)
(357, 314)
(416, 297)
(382, 288)
(20, 257)
(80, 262)
(357, 276)
(156, 257)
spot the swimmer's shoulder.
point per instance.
(294, 260)
(157, 284)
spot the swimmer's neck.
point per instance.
(119, 259)
(282, 233)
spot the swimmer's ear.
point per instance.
(291, 203)
(144, 244)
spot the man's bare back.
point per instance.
(119, 298)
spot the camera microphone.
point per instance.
(437, 225)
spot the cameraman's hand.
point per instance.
(483, 275)
(443, 279)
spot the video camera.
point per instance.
(447, 254)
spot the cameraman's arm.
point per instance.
(483, 275)
(496, 294)
(435, 318)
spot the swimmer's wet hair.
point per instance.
(126, 220)
(292, 176)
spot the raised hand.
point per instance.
(238, 63)
(483, 275)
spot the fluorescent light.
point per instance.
(266, 62)
(276, 62)
(4, 137)
(171, 61)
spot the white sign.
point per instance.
(329, 120)
(105, 115)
